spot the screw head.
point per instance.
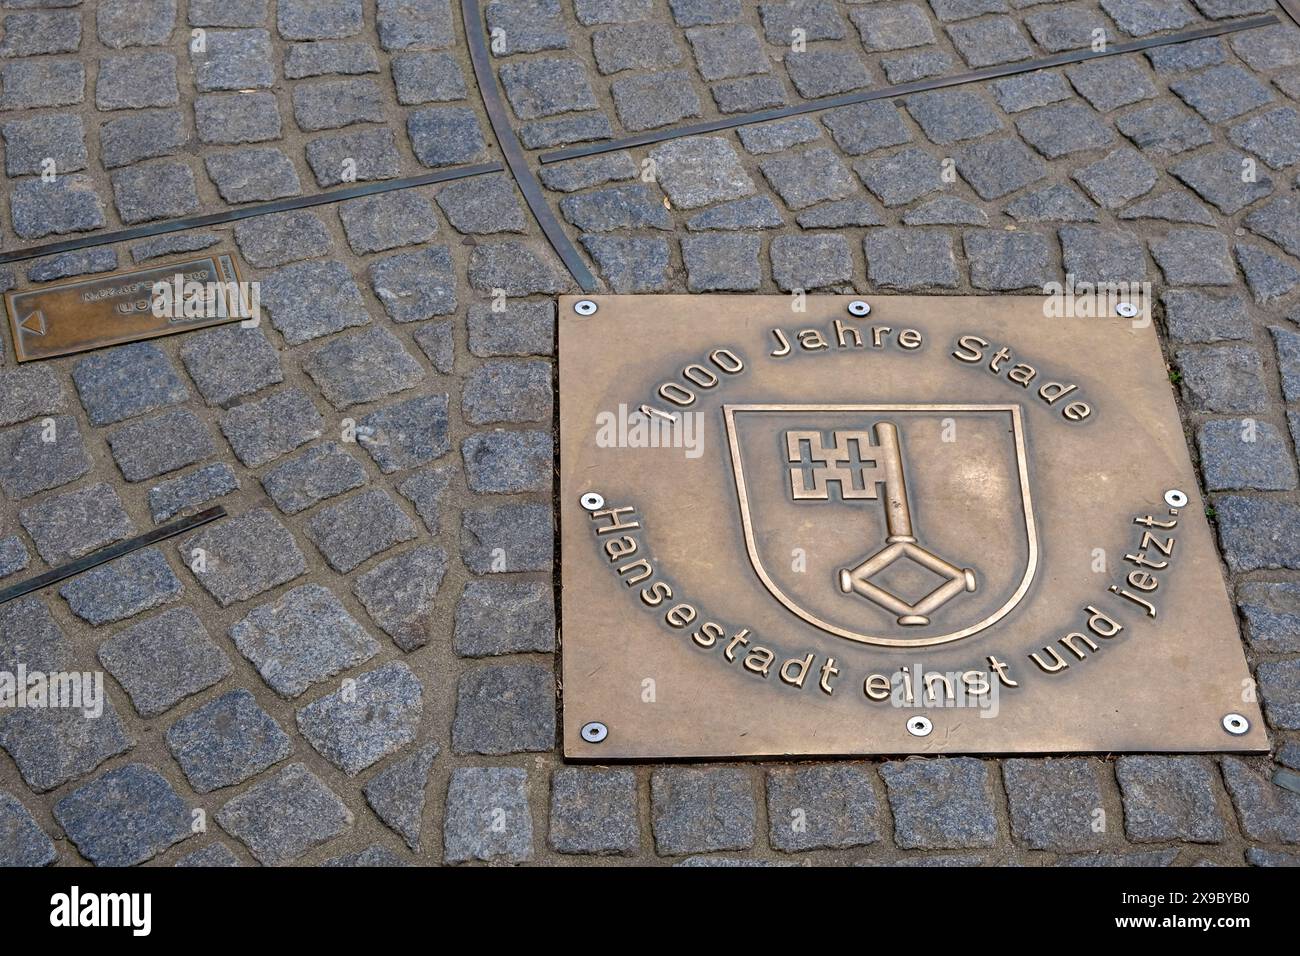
(591, 501)
(585, 307)
(1175, 498)
(1126, 310)
(919, 726)
(594, 732)
(859, 308)
(1235, 724)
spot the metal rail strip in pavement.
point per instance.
(111, 553)
(248, 212)
(513, 152)
(917, 86)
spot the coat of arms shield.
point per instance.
(860, 518)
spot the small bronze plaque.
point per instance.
(94, 313)
(948, 525)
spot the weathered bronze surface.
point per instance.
(954, 525)
(109, 310)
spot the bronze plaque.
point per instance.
(117, 308)
(950, 525)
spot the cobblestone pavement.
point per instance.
(385, 430)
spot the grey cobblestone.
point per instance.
(1002, 261)
(1272, 613)
(508, 462)
(144, 135)
(425, 491)
(503, 709)
(227, 741)
(651, 100)
(1258, 533)
(124, 816)
(387, 221)
(160, 444)
(997, 167)
(482, 205)
(504, 617)
(350, 533)
(322, 472)
(362, 367)
(29, 144)
(170, 498)
(68, 204)
(1096, 254)
(281, 818)
(1194, 257)
(813, 176)
(305, 637)
(1164, 127)
(28, 392)
(1063, 128)
(594, 811)
(811, 262)
(398, 594)
(837, 215)
(1222, 378)
(940, 804)
(990, 41)
(615, 207)
(38, 83)
(505, 391)
(1216, 178)
(375, 716)
(137, 80)
(243, 556)
(700, 170)
(396, 794)
(910, 258)
(124, 588)
(528, 26)
(1266, 812)
(276, 240)
(700, 810)
(507, 538)
(829, 806)
(414, 286)
(478, 797)
(372, 153)
(630, 264)
(816, 73)
(263, 430)
(161, 661)
(326, 57)
(1279, 686)
(29, 464)
(230, 362)
(251, 175)
(1055, 804)
(515, 269)
(1237, 454)
(23, 842)
(211, 856)
(77, 522)
(1169, 798)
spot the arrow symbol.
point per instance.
(34, 323)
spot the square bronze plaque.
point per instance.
(949, 525)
